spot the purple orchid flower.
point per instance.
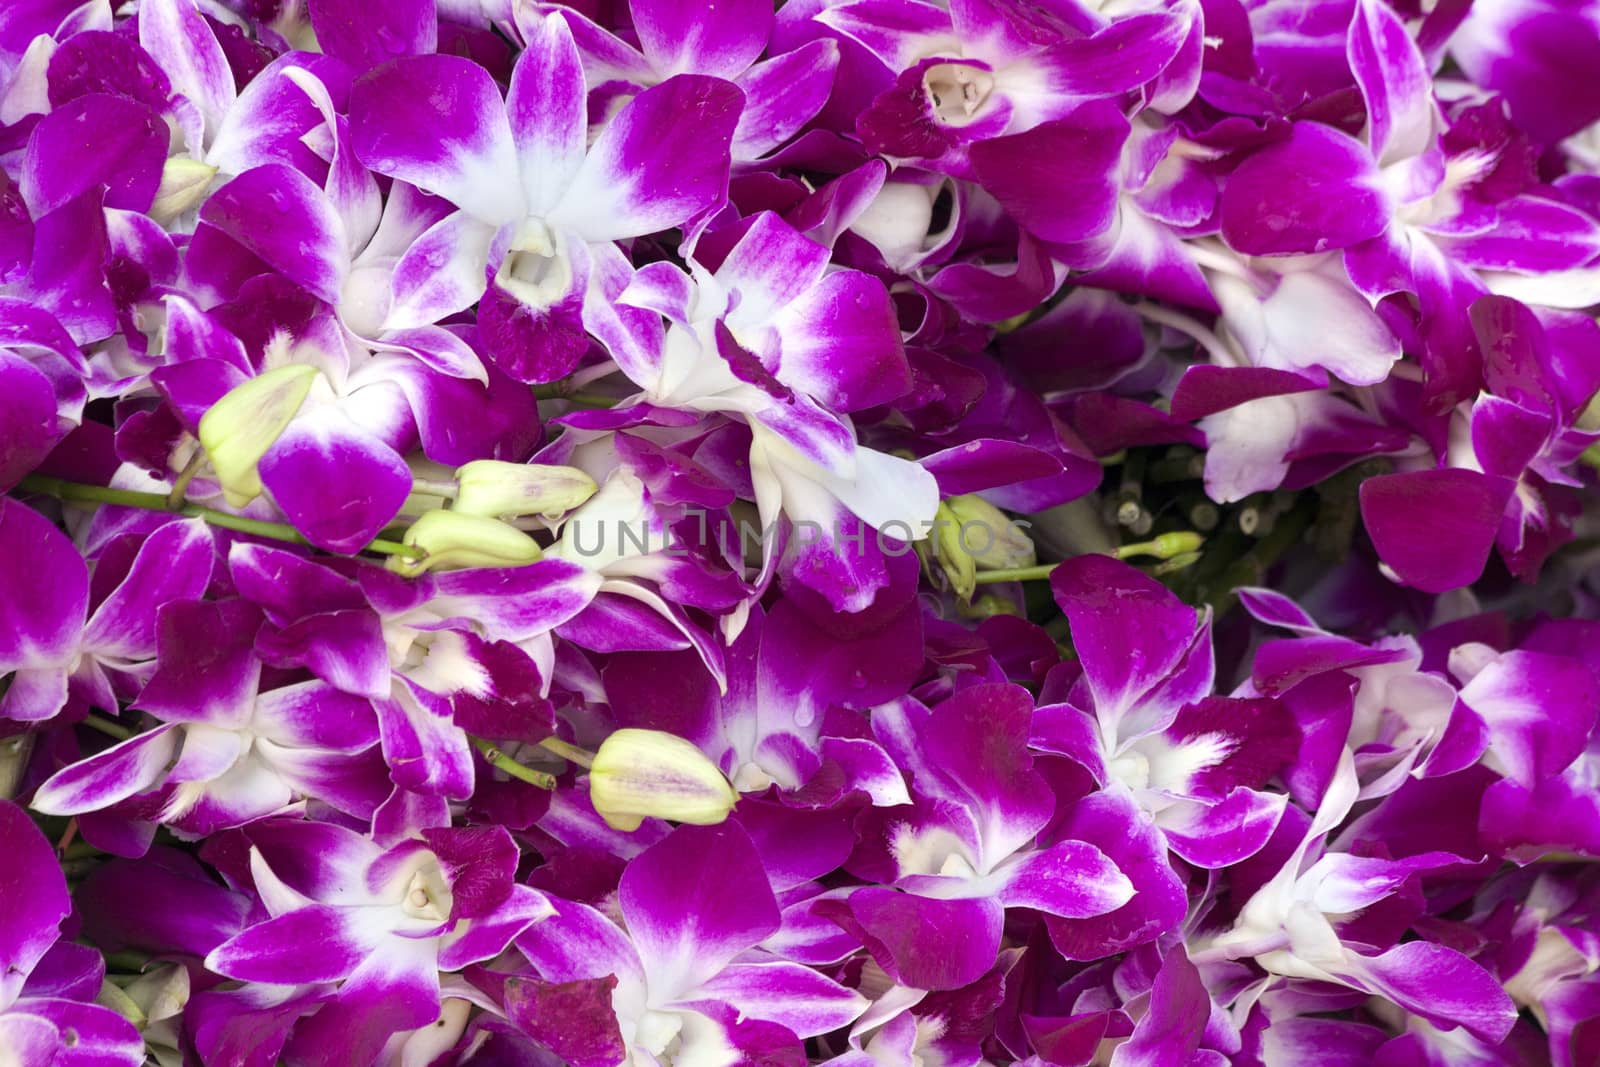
(685, 972)
(975, 72)
(544, 234)
(386, 921)
(227, 752)
(1143, 722)
(37, 1027)
(56, 645)
(782, 93)
(751, 340)
(949, 867)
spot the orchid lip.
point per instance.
(957, 91)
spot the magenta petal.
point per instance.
(46, 590)
(1395, 81)
(174, 563)
(364, 35)
(926, 943)
(1130, 632)
(206, 668)
(688, 920)
(1315, 192)
(662, 161)
(1072, 879)
(1540, 710)
(326, 457)
(107, 777)
(275, 950)
(546, 108)
(789, 994)
(689, 37)
(36, 892)
(1443, 986)
(1216, 835)
(99, 1037)
(1058, 179)
(29, 424)
(573, 1019)
(437, 122)
(31, 1039)
(282, 217)
(1435, 528)
(95, 140)
(841, 344)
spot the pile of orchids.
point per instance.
(870, 533)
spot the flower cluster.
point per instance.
(875, 533)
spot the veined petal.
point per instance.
(91, 141)
(1435, 528)
(179, 38)
(898, 32)
(107, 777)
(781, 95)
(47, 590)
(1395, 82)
(324, 456)
(1058, 179)
(364, 36)
(662, 161)
(689, 920)
(688, 37)
(1315, 192)
(792, 995)
(275, 951)
(174, 563)
(1441, 985)
(37, 895)
(546, 107)
(1072, 879)
(438, 123)
(444, 271)
(281, 216)
(841, 343)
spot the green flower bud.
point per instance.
(995, 541)
(450, 540)
(957, 564)
(640, 774)
(493, 487)
(1166, 546)
(238, 429)
(184, 182)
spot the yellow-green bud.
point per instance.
(450, 540)
(238, 429)
(184, 182)
(958, 565)
(1166, 546)
(640, 774)
(989, 535)
(493, 487)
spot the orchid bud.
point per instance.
(959, 568)
(184, 182)
(994, 540)
(493, 487)
(639, 774)
(451, 540)
(239, 428)
(1166, 546)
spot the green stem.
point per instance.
(1015, 574)
(582, 757)
(501, 761)
(132, 498)
(107, 727)
(175, 499)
